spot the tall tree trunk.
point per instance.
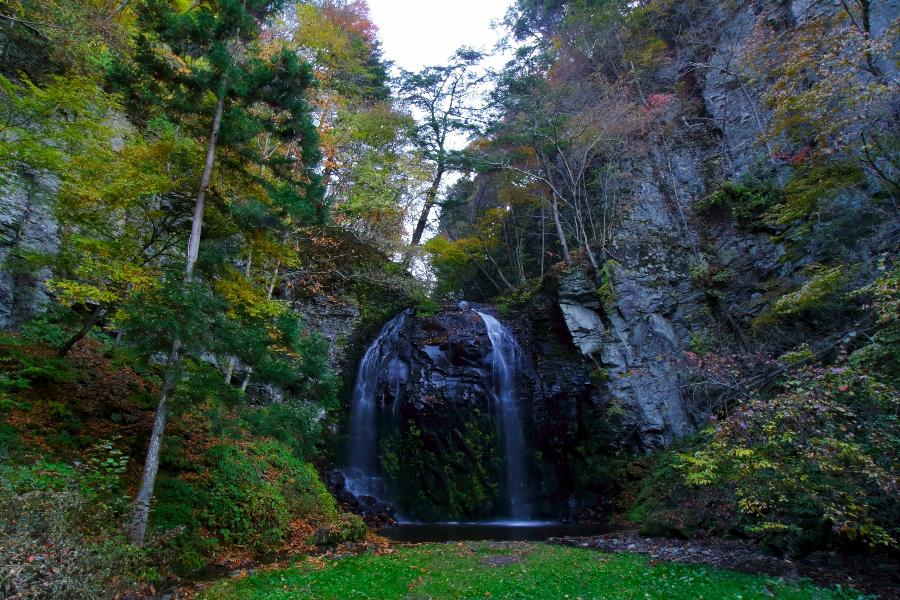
(430, 199)
(138, 528)
(118, 9)
(543, 238)
(85, 328)
(559, 231)
(246, 380)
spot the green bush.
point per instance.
(748, 200)
(292, 422)
(346, 528)
(255, 490)
(43, 330)
(882, 354)
(663, 506)
(821, 293)
(812, 467)
(175, 505)
(813, 186)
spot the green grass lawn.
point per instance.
(504, 570)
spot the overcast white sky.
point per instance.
(415, 33)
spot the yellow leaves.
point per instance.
(244, 298)
(74, 292)
(102, 279)
(699, 468)
(753, 506)
(444, 251)
(108, 180)
(272, 250)
(821, 80)
(743, 453)
(821, 289)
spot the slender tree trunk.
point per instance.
(590, 253)
(559, 231)
(543, 237)
(119, 9)
(229, 369)
(85, 328)
(138, 528)
(506, 282)
(273, 280)
(430, 199)
(246, 381)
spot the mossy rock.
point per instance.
(662, 524)
(346, 528)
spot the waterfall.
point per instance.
(506, 357)
(361, 475)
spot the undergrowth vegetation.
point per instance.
(234, 478)
(812, 465)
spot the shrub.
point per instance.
(255, 490)
(821, 292)
(46, 551)
(882, 354)
(664, 506)
(43, 330)
(813, 186)
(748, 200)
(293, 422)
(810, 467)
(803, 353)
(346, 528)
(703, 342)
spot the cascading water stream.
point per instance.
(506, 358)
(361, 475)
(383, 371)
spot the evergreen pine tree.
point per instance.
(204, 67)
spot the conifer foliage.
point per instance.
(206, 68)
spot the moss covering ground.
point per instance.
(504, 570)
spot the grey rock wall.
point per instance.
(28, 230)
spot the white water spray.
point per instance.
(506, 357)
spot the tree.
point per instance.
(210, 56)
(120, 210)
(558, 132)
(437, 97)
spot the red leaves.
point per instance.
(658, 103)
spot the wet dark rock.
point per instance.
(375, 513)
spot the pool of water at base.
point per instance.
(517, 531)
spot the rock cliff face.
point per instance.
(28, 229)
(633, 322)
